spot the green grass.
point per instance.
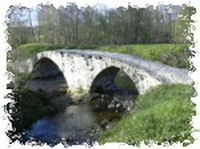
(162, 115)
(170, 54)
(151, 52)
(29, 50)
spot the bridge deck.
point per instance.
(159, 70)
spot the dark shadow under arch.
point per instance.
(104, 80)
(46, 69)
(113, 80)
(46, 76)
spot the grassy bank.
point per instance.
(162, 115)
(170, 54)
(29, 50)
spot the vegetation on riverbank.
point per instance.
(163, 115)
(25, 106)
(30, 102)
(171, 54)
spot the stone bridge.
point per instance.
(86, 69)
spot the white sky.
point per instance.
(110, 3)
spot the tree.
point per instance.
(19, 26)
(47, 21)
(99, 25)
(184, 26)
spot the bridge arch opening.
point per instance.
(113, 81)
(45, 68)
(46, 75)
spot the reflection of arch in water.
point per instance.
(46, 68)
(109, 80)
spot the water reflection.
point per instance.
(76, 122)
(74, 125)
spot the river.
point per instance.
(74, 122)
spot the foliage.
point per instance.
(99, 25)
(163, 115)
(19, 23)
(186, 24)
(79, 90)
(25, 107)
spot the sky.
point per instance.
(109, 3)
(82, 3)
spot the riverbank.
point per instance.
(49, 100)
(162, 115)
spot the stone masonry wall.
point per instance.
(82, 67)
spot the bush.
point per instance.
(25, 107)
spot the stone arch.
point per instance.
(104, 82)
(46, 68)
(104, 79)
